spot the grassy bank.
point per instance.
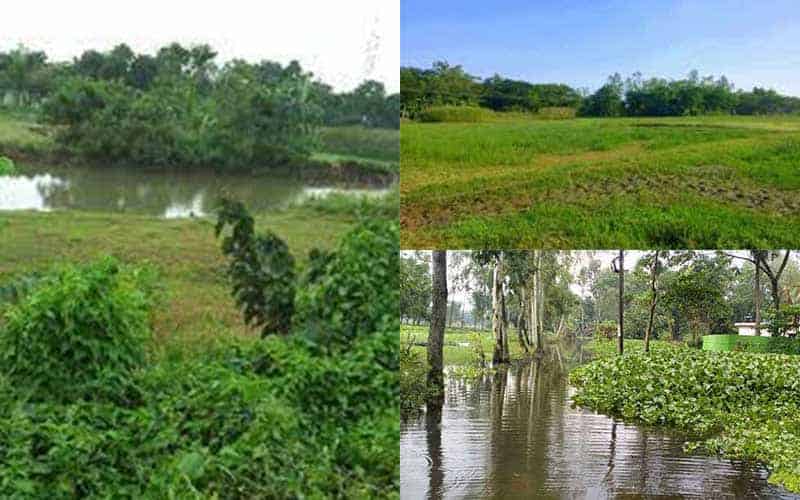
(184, 251)
(740, 405)
(705, 182)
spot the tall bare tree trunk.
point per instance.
(620, 341)
(757, 296)
(436, 332)
(506, 355)
(536, 306)
(497, 314)
(653, 301)
(523, 324)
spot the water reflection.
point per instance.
(515, 435)
(167, 194)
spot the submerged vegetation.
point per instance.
(741, 405)
(6, 166)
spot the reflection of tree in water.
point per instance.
(116, 189)
(433, 438)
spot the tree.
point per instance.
(415, 289)
(436, 331)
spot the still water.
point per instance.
(167, 194)
(514, 434)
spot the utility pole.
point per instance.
(620, 269)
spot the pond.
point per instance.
(515, 434)
(167, 194)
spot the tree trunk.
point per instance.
(436, 332)
(757, 298)
(504, 316)
(776, 303)
(497, 319)
(521, 331)
(620, 345)
(653, 301)
(537, 303)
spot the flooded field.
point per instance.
(515, 434)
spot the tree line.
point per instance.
(445, 84)
(677, 295)
(180, 106)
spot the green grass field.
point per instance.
(693, 182)
(185, 251)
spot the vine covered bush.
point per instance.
(79, 333)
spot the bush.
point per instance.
(606, 330)
(355, 140)
(471, 114)
(357, 291)
(261, 270)
(413, 385)
(80, 333)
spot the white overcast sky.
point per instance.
(343, 42)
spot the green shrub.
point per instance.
(261, 270)
(413, 385)
(7, 166)
(373, 143)
(357, 293)
(80, 333)
(467, 114)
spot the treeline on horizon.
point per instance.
(180, 107)
(448, 85)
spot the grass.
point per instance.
(185, 251)
(459, 343)
(698, 182)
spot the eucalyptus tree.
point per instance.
(436, 331)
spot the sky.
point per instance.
(343, 43)
(582, 42)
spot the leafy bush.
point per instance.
(456, 114)
(6, 166)
(413, 386)
(261, 269)
(357, 293)
(606, 330)
(741, 405)
(378, 144)
(79, 333)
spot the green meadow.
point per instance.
(678, 182)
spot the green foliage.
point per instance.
(7, 166)
(79, 333)
(413, 373)
(377, 144)
(606, 330)
(465, 114)
(742, 405)
(358, 291)
(261, 269)
(556, 113)
(415, 289)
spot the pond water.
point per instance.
(515, 434)
(167, 194)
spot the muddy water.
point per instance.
(167, 194)
(515, 435)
